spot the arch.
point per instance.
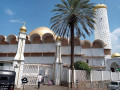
(98, 44)
(12, 39)
(77, 41)
(86, 44)
(64, 41)
(27, 40)
(114, 66)
(2, 40)
(35, 39)
(48, 38)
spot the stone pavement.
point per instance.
(54, 87)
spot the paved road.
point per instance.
(54, 87)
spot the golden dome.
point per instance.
(99, 6)
(115, 55)
(58, 38)
(23, 28)
(41, 31)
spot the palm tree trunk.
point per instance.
(72, 55)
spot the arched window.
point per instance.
(27, 41)
(86, 44)
(2, 40)
(36, 40)
(49, 39)
(64, 42)
(77, 42)
(97, 45)
(12, 39)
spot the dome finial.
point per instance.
(24, 23)
(58, 38)
(23, 28)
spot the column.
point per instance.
(18, 61)
(58, 65)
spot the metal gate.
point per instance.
(31, 71)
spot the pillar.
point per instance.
(58, 65)
(18, 61)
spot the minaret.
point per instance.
(102, 31)
(58, 65)
(18, 61)
(21, 43)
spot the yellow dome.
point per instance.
(116, 55)
(41, 31)
(99, 6)
(58, 38)
(23, 28)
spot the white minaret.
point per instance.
(18, 61)
(58, 65)
(102, 31)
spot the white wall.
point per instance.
(40, 60)
(50, 47)
(8, 48)
(93, 52)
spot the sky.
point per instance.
(37, 13)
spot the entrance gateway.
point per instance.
(31, 72)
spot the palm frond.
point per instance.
(77, 12)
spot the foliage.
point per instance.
(79, 65)
(76, 13)
(73, 18)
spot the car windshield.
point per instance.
(4, 78)
(114, 83)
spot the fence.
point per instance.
(31, 71)
(97, 76)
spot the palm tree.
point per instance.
(73, 17)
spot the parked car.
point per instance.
(114, 85)
(7, 79)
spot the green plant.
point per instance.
(79, 65)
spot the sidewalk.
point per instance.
(53, 87)
(44, 87)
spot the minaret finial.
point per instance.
(24, 23)
(23, 28)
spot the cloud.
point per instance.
(115, 39)
(9, 12)
(16, 21)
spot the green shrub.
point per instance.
(79, 65)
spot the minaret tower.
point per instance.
(18, 61)
(102, 31)
(58, 65)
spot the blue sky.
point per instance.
(37, 13)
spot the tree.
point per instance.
(79, 65)
(73, 16)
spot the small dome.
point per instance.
(23, 28)
(116, 55)
(41, 31)
(58, 38)
(99, 6)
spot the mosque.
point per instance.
(42, 50)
